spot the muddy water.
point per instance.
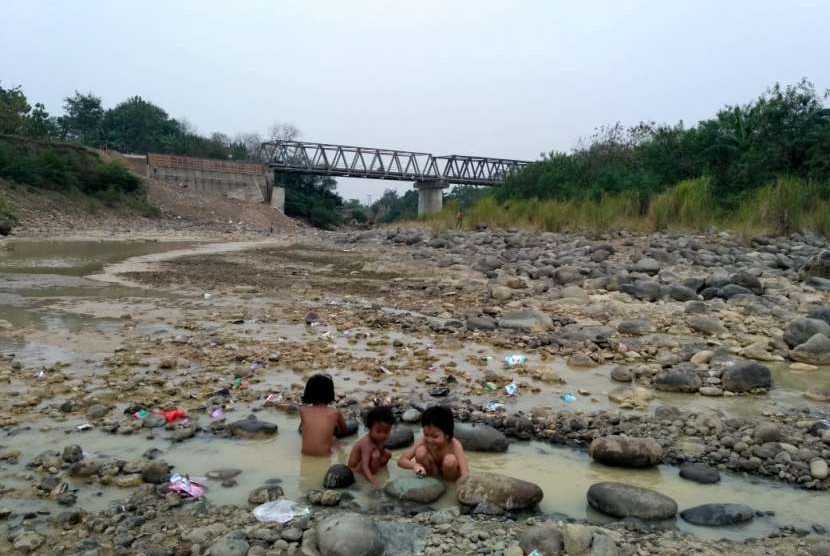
(563, 474)
(41, 282)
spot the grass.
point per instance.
(785, 206)
(7, 212)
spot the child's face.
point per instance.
(434, 437)
(379, 432)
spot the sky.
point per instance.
(490, 78)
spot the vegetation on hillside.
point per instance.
(762, 166)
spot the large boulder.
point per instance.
(815, 351)
(622, 500)
(746, 376)
(349, 534)
(423, 490)
(818, 266)
(339, 476)
(645, 290)
(700, 473)
(352, 426)
(529, 320)
(480, 438)
(822, 312)
(718, 514)
(624, 451)
(801, 330)
(504, 492)
(673, 380)
(5, 227)
(251, 427)
(546, 538)
(401, 436)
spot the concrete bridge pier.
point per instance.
(430, 196)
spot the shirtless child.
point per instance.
(319, 422)
(369, 456)
(437, 453)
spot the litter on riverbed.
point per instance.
(186, 486)
(141, 414)
(257, 365)
(384, 370)
(173, 415)
(85, 427)
(280, 511)
(217, 413)
(511, 389)
(535, 553)
(494, 406)
(568, 397)
(490, 387)
(515, 359)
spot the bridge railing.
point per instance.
(389, 164)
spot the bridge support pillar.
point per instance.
(430, 196)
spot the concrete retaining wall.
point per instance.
(234, 180)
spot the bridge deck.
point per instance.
(385, 164)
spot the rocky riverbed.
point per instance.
(707, 353)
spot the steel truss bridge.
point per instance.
(385, 164)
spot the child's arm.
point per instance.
(407, 460)
(365, 461)
(340, 424)
(461, 457)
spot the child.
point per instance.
(437, 453)
(369, 455)
(319, 421)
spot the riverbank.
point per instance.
(409, 319)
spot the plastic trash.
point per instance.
(535, 553)
(39, 374)
(217, 413)
(489, 386)
(494, 406)
(515, 359)
(257, 365)
(511, 389)
(173, 415)
(186, 486)
(141, 414)
(280, 511)
(568, 397)
(237, 382)
(85, 427)
(385, 370)
(207, 296)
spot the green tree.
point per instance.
(40, 124)
(138, 126)
(13, 110)
(83, 115)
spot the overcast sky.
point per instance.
(510, 79)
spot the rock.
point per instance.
(422, 490)
(338, 476)
(821, 312)
(631, 395)
(480, 438)
(818, 469)
(748, 281)
(817, 266)
(817, 394)
(622, 500)
(705, 325)
(746, 376)
(223, 474)
(622, 374)
(638, 327)
(501, 293)
(5, 226)
(97, 411)
(767, 432)
(251, 427)
(127, 481)
(699, 473)
(711, 391)
(644, 290)
(156, 472)
(546, 537)
(352, 426)
(505, 492)
(801, 330)
(72, 454)
(577, 538)
(603, 544)
(349, 534)
(815, 351)
(480, 323)
(28, 541)
(229, 546)
(647, 265)
(623, 451)
(528, 320)
(263, 494)
(581, 360)
(732, 290)
(411, 415)
(292, 534)
(84, 468)
(682, 293)
(702, 357)
(672, 380)
(401, 436)
(718, 514)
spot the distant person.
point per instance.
(369, 456)
(318, 420)
(437, 453)
(459, 219)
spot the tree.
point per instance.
(280, 131)
(139, 126)
(13, 110)
(82, 118)
(40, 124)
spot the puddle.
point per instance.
(564, 475)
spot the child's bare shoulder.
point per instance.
(456, 445)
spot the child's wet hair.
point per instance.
(441, 418)
(319, 390)
(380, 414)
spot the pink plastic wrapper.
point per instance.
(185, 486)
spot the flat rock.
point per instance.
(339, 476)
(637, 327)
(505, 492)
(746, 376)
(699, 473)
(622, 500)
(263, 494)
(229, 546)
(529, 320)
(718, 514)
(673, 380)
(624, 451)
(401, 436)
(815, 351)
(422, 490)
(223, 474)
(251, 427)
(349, 534)
(480, 438)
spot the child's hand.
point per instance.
(419, 469)
(375, 483)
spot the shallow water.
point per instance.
(563, 474)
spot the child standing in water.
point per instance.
(369, 456)
(319, 422)
(437, 453)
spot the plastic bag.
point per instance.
(494, 406)
(186, 486)
(515, 359)
(511, 389)
(280, 511)
(568, 397)
(173, 415)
